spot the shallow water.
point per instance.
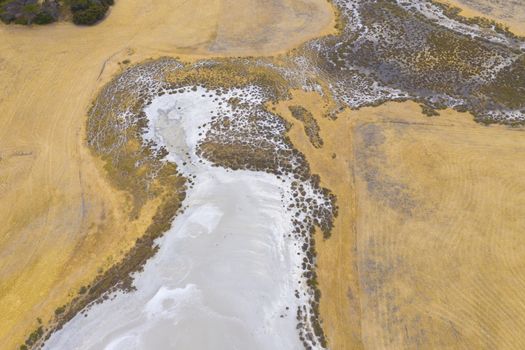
(226, 273)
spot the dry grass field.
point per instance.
(337, 270)
(61, 220)
(427, 251)
(508, 12)
(440, 233)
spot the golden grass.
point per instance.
(447, 271)
(509, 13)
(427, 249)
(61, 220)
(336, 271)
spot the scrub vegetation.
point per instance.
(310, 124)
(383, 52)
(454, 12)
(81, 12)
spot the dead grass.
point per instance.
(336, 273)
(510, 14)
(62, 222)
(426, 249)
(445, 274)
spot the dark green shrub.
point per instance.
(35, 336)
(89, 16)
(28, 11)
(79, 5)
(60, 310)
(87, 12)
(44, 18)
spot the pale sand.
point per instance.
(508, 12)
(61, 221)
(226, 273)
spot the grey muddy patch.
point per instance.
(369, 160)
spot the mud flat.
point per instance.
(226, 273)
(238, 262)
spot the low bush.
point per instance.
(28, 11)
(88, 12)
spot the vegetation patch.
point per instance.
(454, 12)
(29, 11)
(390, 51)
(88, 12)
(223, 74)
(508, 88)
(82, 12)
(311, 128)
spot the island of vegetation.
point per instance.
(81, 12)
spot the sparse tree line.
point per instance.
(81, 12)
